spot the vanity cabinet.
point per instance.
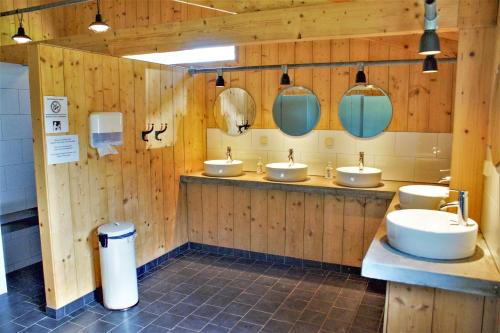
(321, 223)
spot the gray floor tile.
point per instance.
(276, 326)
(243, 327)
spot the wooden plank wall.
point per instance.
(326, 228)
(75, 19)
(421, 102)
(415, 309)
(138, 184)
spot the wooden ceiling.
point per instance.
(312, 20)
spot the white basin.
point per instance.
(431, 234)
(354, 177)
(223, 168)
(422, 196)
(286, 172)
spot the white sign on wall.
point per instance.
(56, 114)
(62, 149)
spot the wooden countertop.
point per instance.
(313, 184)
(476, 275)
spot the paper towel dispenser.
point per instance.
(106, 131)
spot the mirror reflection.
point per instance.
(296, 111)
(365, 111)
(234, 111)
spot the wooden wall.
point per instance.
(475, 79)
(414, 309)
(421, 102)
(75, 19)
(327, 228)
(138, 184)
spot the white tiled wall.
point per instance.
(17, 181)
(491, 207)
(21, 248)
(404, 156)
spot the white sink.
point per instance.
(422, 196)
(286, 172)
(431, 234)
(354, 177)
(223, 168)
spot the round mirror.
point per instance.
(234, 111)
(296, 111)
(365, 111)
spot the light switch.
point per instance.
(329, 142)
(263, 140)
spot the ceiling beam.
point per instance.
(14, 53)
(246, 6)
(339, 20)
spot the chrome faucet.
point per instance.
(445, 179)
(229, 155)
(462, 205)
(290, 157)
(361, 160)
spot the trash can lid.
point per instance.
(116, 229)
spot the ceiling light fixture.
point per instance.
(360, 75)
(430, 65)
(99, 25)
(219, 82)
(429, 42)
(21, 36)
(285, 79)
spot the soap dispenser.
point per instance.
(329, 171)
(260, 166)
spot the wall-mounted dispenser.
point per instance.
(106, 131)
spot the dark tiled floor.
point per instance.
(199, 292)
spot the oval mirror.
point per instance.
(234, 111)
(365, 111)
(296, 111)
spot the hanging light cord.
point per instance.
(20, 18)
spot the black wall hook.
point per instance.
(162, 129)
(146, 133)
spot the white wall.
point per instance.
(17, 180)
(403, 156)
(491, 207)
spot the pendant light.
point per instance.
(21, 36)
(430, 65)
(285, 79)
(98, 25)
(360, 75)
(429, 42)
(219, 82)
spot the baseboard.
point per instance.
(303, 263)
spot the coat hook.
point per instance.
(146, 132)
(162, 129)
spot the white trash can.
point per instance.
(118, 270)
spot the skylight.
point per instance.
(200, 55)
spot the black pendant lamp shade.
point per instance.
(429, 43)
(219, 82)
(430, 65)
(98, 25)
(285, 79)
(20, 37)
(360, 75)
